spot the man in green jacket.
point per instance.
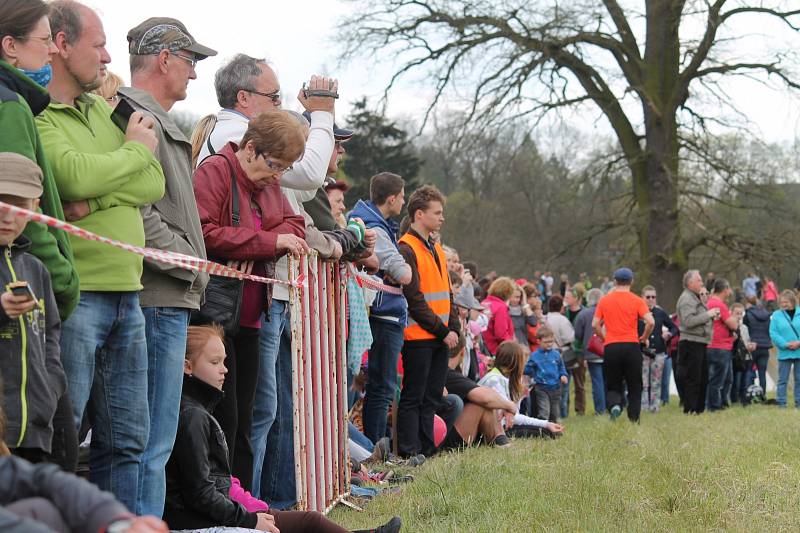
(163, 55)
(103, 344)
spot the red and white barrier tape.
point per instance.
(370, 283)
(171, 258)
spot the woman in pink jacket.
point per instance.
(501, 328)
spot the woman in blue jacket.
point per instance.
(784, 330)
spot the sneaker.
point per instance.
(615, 412)
(501, 441)
(413, 461)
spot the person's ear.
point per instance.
(187, 367)
(243, 98)
(161, 60)
(35, 203)
(9, 49)
(60, 40)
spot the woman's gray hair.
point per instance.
(303, 121)
(593, 296)
(789, 294)
(237, 75)
(689, 274)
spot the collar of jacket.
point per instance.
(229, 153)
(146, 100)
(20, 244)
(37, 96)
(428, 242)
(199, 390)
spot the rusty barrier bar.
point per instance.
(319, 379)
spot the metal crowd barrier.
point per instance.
(319, 379)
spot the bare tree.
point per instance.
(642, 70)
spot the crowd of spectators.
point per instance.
(180, 383)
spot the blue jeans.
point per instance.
(104, 353)
(784, 369)
(278, 484)
(666, 381)
(166, 350)
(382, 371)
(265, 405)
(356, 436)
(719, 362)
(598, 387)
(565, 395)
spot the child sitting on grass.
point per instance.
(547, 370)
(33, 378)
(198, 475)
(506, 379)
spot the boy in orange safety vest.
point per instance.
(433, 324)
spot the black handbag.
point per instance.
(222, 301)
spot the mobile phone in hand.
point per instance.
(122, 114)
(21, 288)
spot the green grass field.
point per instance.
(736, 470)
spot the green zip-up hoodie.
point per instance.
(93, 161)
(20, 100)
(30, 360)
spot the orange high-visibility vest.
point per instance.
(434, 284)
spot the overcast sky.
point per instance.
(299, 38)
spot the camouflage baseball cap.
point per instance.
(159, 33)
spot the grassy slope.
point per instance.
(731, 471)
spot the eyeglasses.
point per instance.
(48, 40)
(192, 61)
(275, 167)
(274, 96)
(650, 297)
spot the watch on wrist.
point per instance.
(119, 526)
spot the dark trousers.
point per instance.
(387, 340)
(693, 375)
(760, 359)
(622, 367)
(235, 412)
(579, 379)
(305, 521)
(425, 370)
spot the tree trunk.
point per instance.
(662, 255)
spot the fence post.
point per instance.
(319, 373)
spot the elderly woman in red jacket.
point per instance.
(500, 328)
(250, 233)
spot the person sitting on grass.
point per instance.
(477, 419)
(548, 373)
(198, 473)
(506, 379)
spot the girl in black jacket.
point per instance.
(198, 473)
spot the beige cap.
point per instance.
(19, 176)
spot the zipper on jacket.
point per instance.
(24, 359)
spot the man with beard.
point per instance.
(103, 343)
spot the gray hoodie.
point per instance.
(33, 378)
(83, 506)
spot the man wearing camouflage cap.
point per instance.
(163, 55)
